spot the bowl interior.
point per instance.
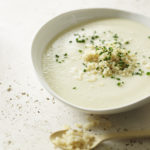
(65, 21)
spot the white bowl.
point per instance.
(66, 20)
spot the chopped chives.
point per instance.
(80, 51)
(148, 73)
(57, 56)
(117, 78)
(65, 54)
(80, 40)
(84, 70)
(127, 42)
(119, 83)
(74, 88)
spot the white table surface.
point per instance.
(27, 117)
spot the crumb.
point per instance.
(17, 96)
(9, 142)
(19, 107)
(35, 101)
(9, 89)
(23, 93)
(48, 98)
(53, 100)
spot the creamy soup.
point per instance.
(100, 64)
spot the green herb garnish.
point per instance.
(140, 72)
(97, 68)
(80, 40)
(65, 54)
(110, 49)
(120, 83)
(103, 41)
(57, 56)
(76, 34)
(112, 77)
(115, 36)
(101, 53)
(148, 73)
(117, 78)
(94, 37)
(80, 51)
(74, 88)
(84, 64)
(92, 41)
(127, 42)
(96, 47)
(84, 70)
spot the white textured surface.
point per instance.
(27, 119)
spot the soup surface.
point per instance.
(100, 64)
